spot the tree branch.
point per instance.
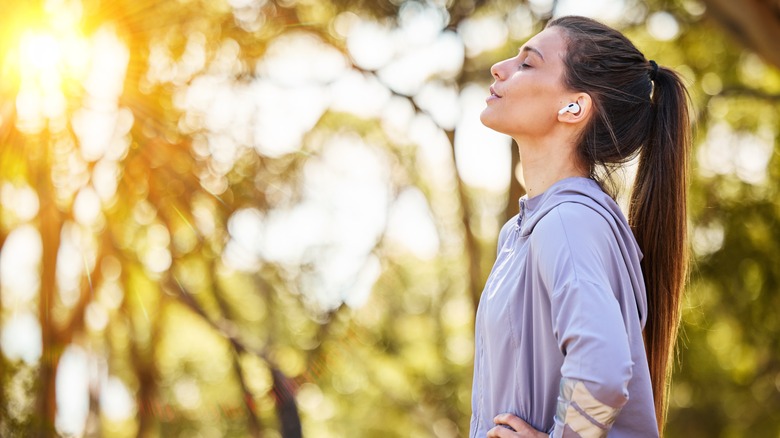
(255, 428)
(741, 91)
(752, 23)
(283, 389)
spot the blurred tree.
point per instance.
(217, 190)
(755, 24)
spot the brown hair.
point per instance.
(639, 109)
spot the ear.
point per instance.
(586, 107)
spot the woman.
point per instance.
(576, 325)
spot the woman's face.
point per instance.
(528, 90)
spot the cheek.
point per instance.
(527, 108)
(530, 116)
(536, 103)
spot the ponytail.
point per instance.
(639, 109)
(658, 219)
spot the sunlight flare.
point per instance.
(50, 59)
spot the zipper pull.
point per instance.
(522, 213)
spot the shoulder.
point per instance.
(574, 223)
(571, 238)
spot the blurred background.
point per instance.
(271, 218)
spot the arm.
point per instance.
(587, 321)
(595, 371)
(597, 365)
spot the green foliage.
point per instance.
(211, 332)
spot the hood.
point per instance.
(587, 192)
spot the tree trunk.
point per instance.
(3, 363)
(470, 241)
(286, 409)
(755, 24)
(50, 227)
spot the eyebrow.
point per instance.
(532, 49)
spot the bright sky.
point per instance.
(347, 201)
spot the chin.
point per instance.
(484, 117)
(489, 122)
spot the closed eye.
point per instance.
(523, 59)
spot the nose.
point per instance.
(494, 71)
(498, 69)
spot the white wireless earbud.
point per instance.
(570, 108)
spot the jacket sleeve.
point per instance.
(572, 244)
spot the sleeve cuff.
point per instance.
(580, 414)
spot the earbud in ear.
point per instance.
(570, 108)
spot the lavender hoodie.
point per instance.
(559, 327)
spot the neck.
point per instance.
(547, 162)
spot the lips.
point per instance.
(493, 95)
